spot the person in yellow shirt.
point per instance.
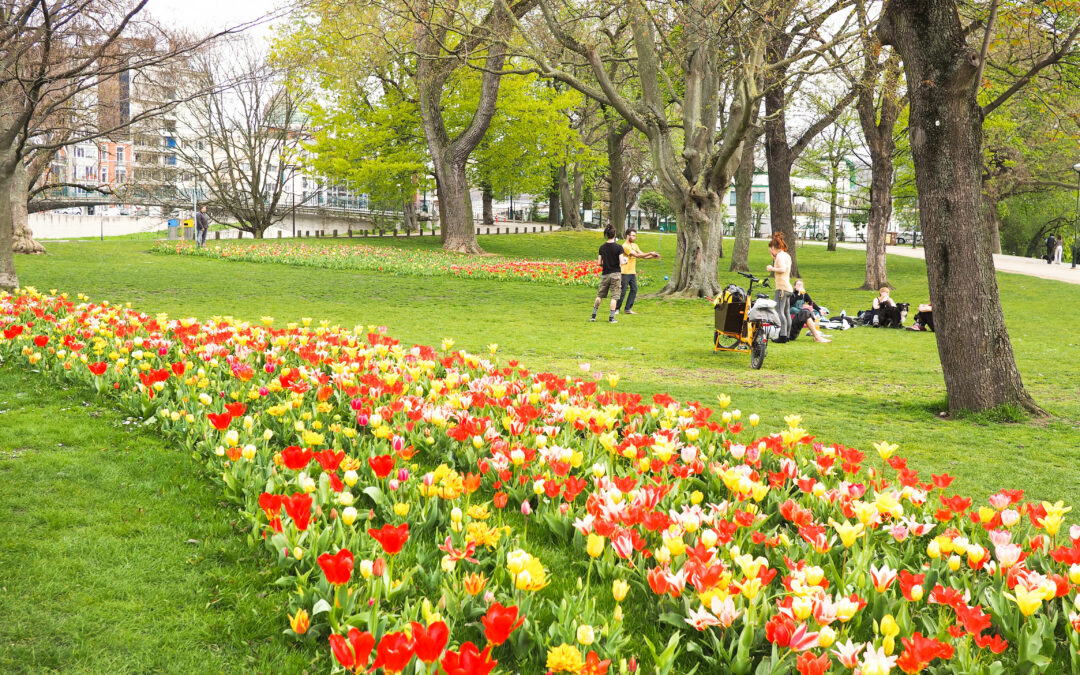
(629, 271)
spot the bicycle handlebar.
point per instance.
(752, 278)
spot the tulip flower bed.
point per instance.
(389, 260)
(437, 510)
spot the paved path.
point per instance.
(1032, 267)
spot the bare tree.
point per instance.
(944, 76)
(52, 54)
(694, 125)
(246, 136)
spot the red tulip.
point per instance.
(382, 465)
(299, 509)
(295, 457)
(392, 538)
(271, 504)
(355, 652)
(430, 641)
(499, 622)
(468, 661)
(178, 369)
(98, 368)
(337, 568)
(379, 567)
(219, 420)
(808, 664)
(236, 409)
(395, 651)
(41, 340)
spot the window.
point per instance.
(121, 176)
(758, 198)
(104, 175)
(78, 151)
(733, 199)
(171, 160)
(119, 154)
(170, 142)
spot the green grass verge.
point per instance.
(118, 556)
(867, 385)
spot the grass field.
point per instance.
(866, 386)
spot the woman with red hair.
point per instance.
(781, 267)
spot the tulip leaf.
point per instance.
(321, 607)
(375, 493)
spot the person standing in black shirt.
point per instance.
(611, 259)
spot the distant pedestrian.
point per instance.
(629, 271)
(1051, 245)
(781, 267)
(1059, 248)
(202, 226)
(611, 259)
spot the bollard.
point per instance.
(515, 230)
(335, 234)
(279, 234)
(350, 232)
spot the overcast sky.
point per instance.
(211, 14)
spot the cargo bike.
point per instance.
(745, 323)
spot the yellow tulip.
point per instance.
(595, 545)
(1027, 601)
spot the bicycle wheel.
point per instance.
(723, 341)
(758, 346)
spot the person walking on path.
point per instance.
(202, 226)
(611, 259)
(1051, 244)
(1059, 248)
(629, 271)
(781, 268)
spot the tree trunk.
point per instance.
(578, 198)
(698, 217)
(9, 281)
(412, 223)
(487, 196)
(617, 179)
(571, 219)
(881, 170)
(945, 125)
(553, 200)
(834, 178)
(993, 225)
(461, 232)
(23, 237)
(878, 123)
(779, 159)
(744, 181)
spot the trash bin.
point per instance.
(890, 239)
(189, 230)
(174, 229)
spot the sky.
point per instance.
(211, 14)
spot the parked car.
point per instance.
(908, 237)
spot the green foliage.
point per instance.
(655, 204)
(1027, 218)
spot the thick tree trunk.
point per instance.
(23, 236)
(9, 281)
(699, 222)
(946, 142)
(460, 231)
(487, 197)
(744, 181)
(877, 223)
(617, 180)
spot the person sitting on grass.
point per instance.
(804, 312)
(924, 319)
(611, 259)
(884, 311)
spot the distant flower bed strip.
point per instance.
(390, 260)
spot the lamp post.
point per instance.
(1075, 242)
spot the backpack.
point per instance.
(1051, 241)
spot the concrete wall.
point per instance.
(49, 225)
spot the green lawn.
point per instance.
(866, 386)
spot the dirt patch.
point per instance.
(14, 454)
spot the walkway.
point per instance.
(1014, 264)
